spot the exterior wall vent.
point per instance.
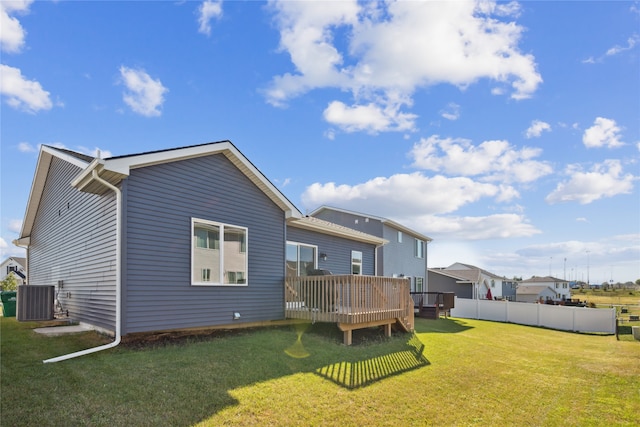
(35, 303)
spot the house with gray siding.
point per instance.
(469, 281)
(404, 254)
(191, 237)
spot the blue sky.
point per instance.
(507, 132)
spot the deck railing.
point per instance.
(348, 299)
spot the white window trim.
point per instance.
(418, 253)
(220, 281)
(360, 263)
(298, 245)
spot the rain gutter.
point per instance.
(118, 336)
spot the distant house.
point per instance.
(190, 237)
(560, 287)
(535, 293)
(15, 266)
(404, 254)
(469, 281)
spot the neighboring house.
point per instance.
(183, 238)
(535, 293)
(560, 287)
(405, 254)
(468, 281)
(15, 266)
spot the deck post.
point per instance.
(387, 329)
(347, 337)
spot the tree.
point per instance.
(9, 283)
(638, 282)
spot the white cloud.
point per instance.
(454, 43)
(604, 132)
(25, 147)
(499, 226)
(15, 225)
(207, 11)
(12, 35)
(614, 50)
(536, 129)
(22, 94)
(491, 160)
(631, 42)
(604, 180)
(370, 118)
(451, 112)
(94, 152)
(145, 95)
(414, 193)
(7, 250)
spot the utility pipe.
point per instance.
(118, 281)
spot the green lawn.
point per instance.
(451, 372)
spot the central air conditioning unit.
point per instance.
(35, 303)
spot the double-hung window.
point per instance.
(218, 253)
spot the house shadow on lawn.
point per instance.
(159, 381)
(443, 325)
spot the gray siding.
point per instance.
(441, 283)
(338, 250)
(393, 258)
(160, 202)
(73, 239)
(400, 257)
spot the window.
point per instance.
(399, 236)
(356, 262)
(216, 261)
(419, 250)
(301, 259)
(419, 284)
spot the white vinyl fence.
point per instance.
(578, 319)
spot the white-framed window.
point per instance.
(399, 236)
(302, 259)
(356, 262)
(419, 284)
(218, 253)
(419, 249)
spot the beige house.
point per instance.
(559, 286)
(15, 266)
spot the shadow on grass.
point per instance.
(443, 325)
(184, 381)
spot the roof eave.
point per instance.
(121, 166)
(37, 187)
(338, 232)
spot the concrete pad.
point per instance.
(54, 331)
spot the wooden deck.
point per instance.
(350, 301)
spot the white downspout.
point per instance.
(118, 281)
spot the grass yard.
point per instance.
(452, 372)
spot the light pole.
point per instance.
(588, 282)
